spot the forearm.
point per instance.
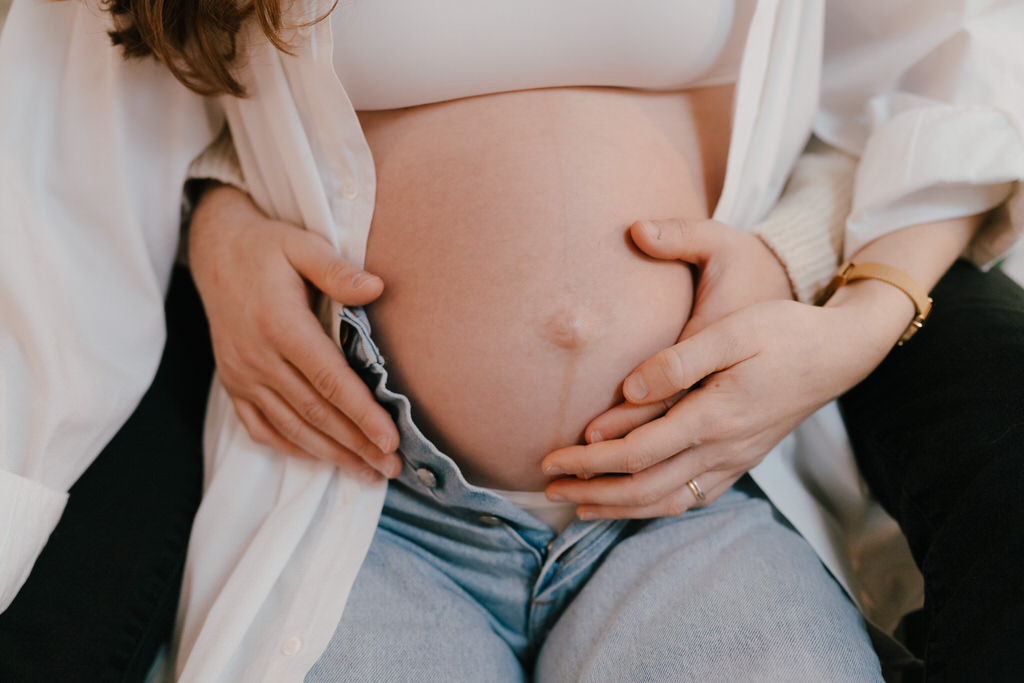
(924, 252)
(220, 211)
(774, 363)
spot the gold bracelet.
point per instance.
(850, 271)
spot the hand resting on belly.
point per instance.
(515, 302)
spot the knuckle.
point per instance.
(248, 356)
(362, 414)
(366, 452)
(265, 324)
(665, 404)
(315, 412)
(268, 439)
(645, 498)
(231, 378)
(636, 461)
(676, 505)
(327, 384)
(679, 225)
(262, 438)
(337, 273)
(290, 427)
(729, 425)
(715, 429)
(705, 462)
(718, 423)
(362, 447)
(672, 369)
(260, 435)
(258, 432)
(582, 470)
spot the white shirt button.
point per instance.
(428, 478)
(291, 646)
(349, 191)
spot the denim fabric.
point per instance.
(938, 431)
(460, 584)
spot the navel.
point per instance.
(568, 329)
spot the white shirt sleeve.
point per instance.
(930, 95)
(93, 153)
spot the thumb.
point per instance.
(315, 259)
(684, 239)
(719, 293)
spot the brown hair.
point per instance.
(196, 39)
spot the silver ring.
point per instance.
(697, 491)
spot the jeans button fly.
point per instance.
(428, 478)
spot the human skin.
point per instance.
(639, 155)
(716, 433)
(515, 300)
(747, 380)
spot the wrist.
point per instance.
(894, 277)
(213, 195)
(876, 313)
(219, 211)
(221, 206)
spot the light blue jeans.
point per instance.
(462, 585)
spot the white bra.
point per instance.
(401, 53)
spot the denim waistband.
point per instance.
(428, 474)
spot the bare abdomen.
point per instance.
(514, 302)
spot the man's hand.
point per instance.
(711, 406)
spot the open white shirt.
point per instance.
(93, 151)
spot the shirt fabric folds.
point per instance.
(928, 94)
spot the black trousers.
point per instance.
(938, 431)
(102, 595)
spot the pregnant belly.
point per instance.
(515, 302)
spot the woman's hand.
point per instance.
(749, 378)
(289, 383)
(735, 269)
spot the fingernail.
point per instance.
(384, 443)
(393, 470)
(361, 278)
(652, 230)
(369, 475)
(586, 515)
(553, 470)
(634, 387)
(594, 437)
(556, 498)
